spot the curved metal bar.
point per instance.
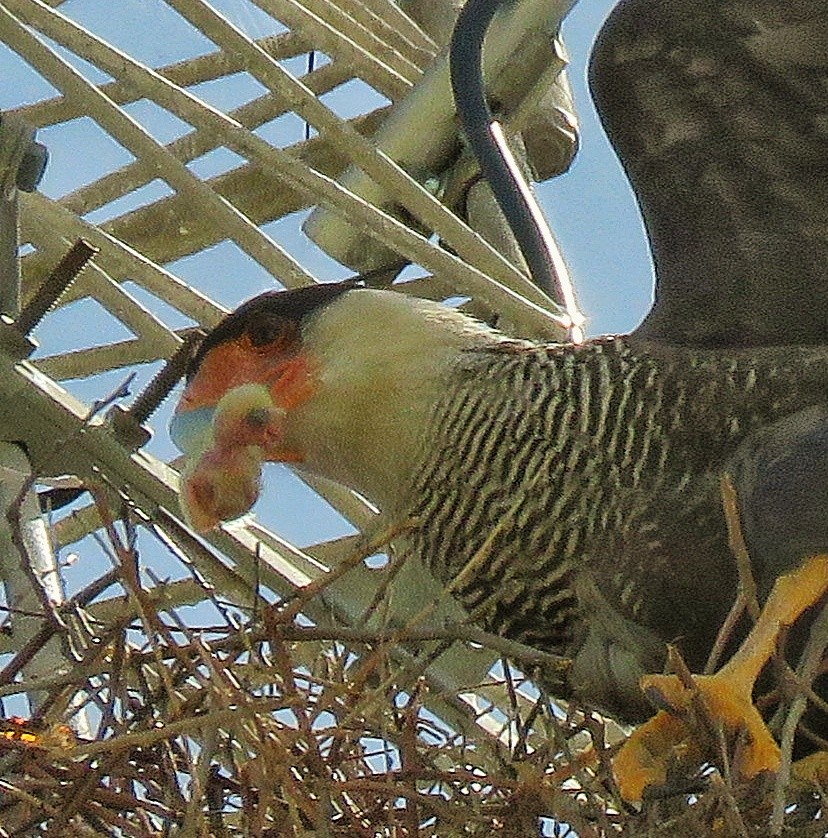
(497, 163)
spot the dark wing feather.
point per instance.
(718, 110)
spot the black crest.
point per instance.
(290, 306)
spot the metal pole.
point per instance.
(28, 566)
(22, 163)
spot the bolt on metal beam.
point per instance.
(54, 286)
(127, 423)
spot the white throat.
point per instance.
(383, 358)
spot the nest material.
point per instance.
(226, 721)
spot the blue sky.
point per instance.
(592, 209)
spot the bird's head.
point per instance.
(335, 378)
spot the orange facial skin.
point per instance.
(279, 366)
(251, 388)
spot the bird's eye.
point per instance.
(266, 330)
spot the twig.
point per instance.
(809, 666)
(366, 547)
(732, 815)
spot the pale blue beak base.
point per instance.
(192, 430)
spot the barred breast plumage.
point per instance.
(556, 471)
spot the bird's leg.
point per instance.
(726, 696)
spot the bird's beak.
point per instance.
(230, 420)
